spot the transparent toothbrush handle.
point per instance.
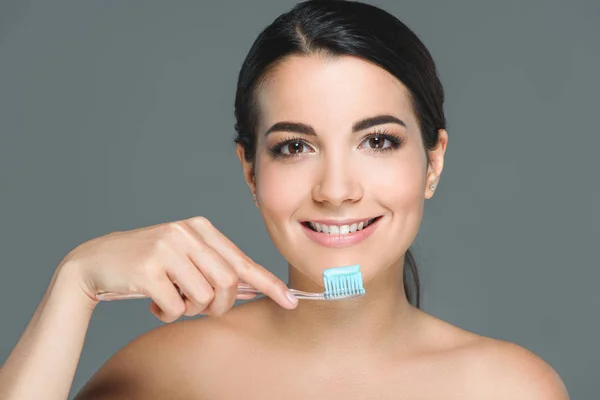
(241, 289)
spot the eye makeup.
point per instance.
(292, 146)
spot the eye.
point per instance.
(293, 147)
(382, 141)
(376, 142)
(288, 148)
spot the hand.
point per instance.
(191, 255)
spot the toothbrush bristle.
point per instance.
(343, 282)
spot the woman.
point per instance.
(340, 122)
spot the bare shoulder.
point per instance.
(170, 361)
(505, 370)
(481, 367)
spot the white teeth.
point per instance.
(338, 229)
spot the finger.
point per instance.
(221, 276)
(246, 269)
(245, 296)
(168, 304)
(198, 292)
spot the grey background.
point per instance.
(116, 115)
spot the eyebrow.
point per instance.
(361, 125)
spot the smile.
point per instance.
(348, 233)
(339, 229)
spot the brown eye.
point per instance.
(376, 142)
(381, 141)
(290, 148)
(295, 147)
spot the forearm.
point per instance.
(43, 363)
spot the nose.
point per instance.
(337, 183)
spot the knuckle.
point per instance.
(169, 228)
(177, 309)
(228, 282)
(206, 297)
(201, 221)
(190, 309)
(168, 318)
(161, 246)
(176, 228)
(247, 265)
(169, 313)
(181, 230)
(190, 312)
(276, 283)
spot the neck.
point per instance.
(382, 317)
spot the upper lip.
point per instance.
(347, 221)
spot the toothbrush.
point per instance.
(340, 283)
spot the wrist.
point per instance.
(67, 281)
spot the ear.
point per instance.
(436, 163)
(246, 167)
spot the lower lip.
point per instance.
(350, 239)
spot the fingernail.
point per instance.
(291, 297)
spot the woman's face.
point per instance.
(338, 144)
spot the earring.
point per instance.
(432, 186)
(254, 196)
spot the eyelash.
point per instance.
(395, 143)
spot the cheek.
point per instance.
(398, 185)
(281, 187)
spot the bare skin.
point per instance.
(374, 347)
(244, 355)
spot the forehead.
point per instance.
(321, 90)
